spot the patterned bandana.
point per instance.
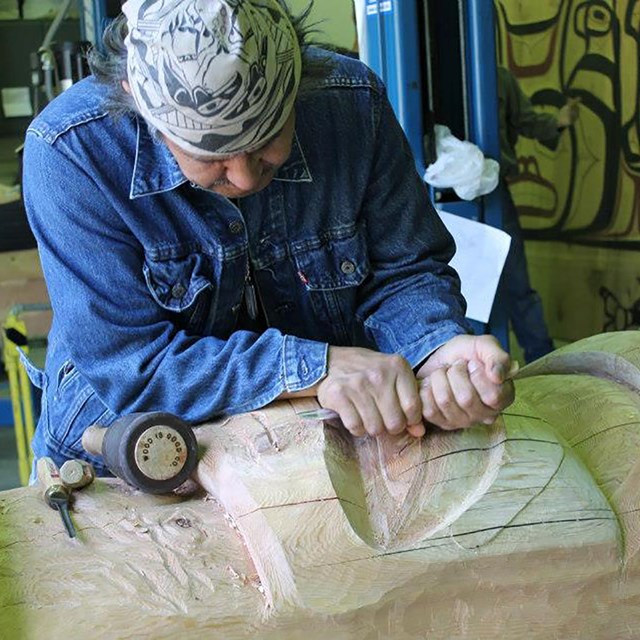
(217, 77)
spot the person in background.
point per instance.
(227, 216)
(519, 118)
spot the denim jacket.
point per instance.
(146, 272)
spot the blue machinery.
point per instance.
(438, 60)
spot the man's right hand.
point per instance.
(373, 392)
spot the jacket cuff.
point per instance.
(304, 362)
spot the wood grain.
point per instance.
(527, 529)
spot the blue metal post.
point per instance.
(408, 105)
(373, 53)
(392, 51)
(482, 72)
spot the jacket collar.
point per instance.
(155, 169)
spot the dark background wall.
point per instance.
(18, 38)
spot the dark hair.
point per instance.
(109, 65)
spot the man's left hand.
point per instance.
(465, 382)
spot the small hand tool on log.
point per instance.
(76, 474)
(56, 495)
(154, 452)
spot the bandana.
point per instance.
(217, 77)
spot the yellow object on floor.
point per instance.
(15, 337)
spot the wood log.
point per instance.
(527, 529)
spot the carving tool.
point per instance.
(56, 495)
(154, 452)
(319, 414)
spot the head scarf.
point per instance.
(216, 77)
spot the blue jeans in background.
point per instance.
(523, 302)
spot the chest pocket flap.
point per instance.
(176, 282)
(332, 262)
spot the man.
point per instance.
(518, 117)
(226, 217)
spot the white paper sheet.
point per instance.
(479, 260)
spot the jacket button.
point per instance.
(178, 291)
(236, 227)
(347, 267)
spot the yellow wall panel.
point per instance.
(589, 50)
(586, 290)
(587, 191)
(333, 19)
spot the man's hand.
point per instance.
(466, 382)
(373, 392)
(569, 113)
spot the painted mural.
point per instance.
(588, 189)
(617, 316)
(586, 192)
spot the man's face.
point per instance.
(239, 175)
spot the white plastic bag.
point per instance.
(461, 166)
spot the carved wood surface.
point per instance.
(526, 529)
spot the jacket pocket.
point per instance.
(183, 286)
(72, 408)
(332, 267)
(338, 260)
